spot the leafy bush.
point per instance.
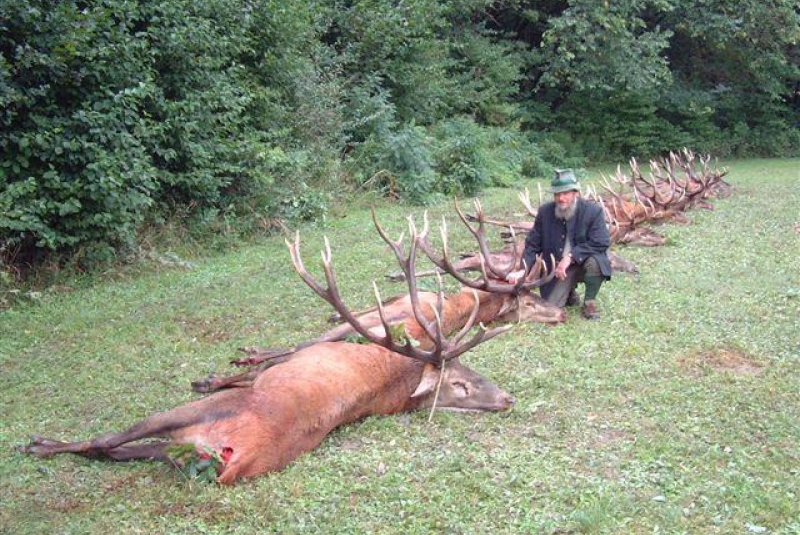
(117, 111)
(404, 164)
(461, 157)
(76, 167)
(302, 204)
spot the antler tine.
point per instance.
(619, 177)
(636, 172)
(702, 180)
(591, 193)
(606, 184)
(607, 213)
(623, 209)
(704, 159)
(480, 236)
(614, 227)
(408, 266)
(299, 267)
(525, 199)
(650, 210)
(537, 274)
(678, 189)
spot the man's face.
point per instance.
(565, 199)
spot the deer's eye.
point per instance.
(461, 387)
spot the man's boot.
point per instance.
(589, 311)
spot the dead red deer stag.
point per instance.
(291, 408)
(495, 299)
(626, 225)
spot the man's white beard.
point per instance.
(565, 214)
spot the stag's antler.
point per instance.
(492, 276)
(443, 348)
(512, 226)
(525, 199)
(480, 236)
(662, 189)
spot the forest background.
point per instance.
(226, 117)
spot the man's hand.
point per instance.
(561, 268)
(515, 276)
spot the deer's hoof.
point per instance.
(37, 446)
(204, 386)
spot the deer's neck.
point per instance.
(459, 307)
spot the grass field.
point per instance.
(677, 412)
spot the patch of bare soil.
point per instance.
(213, 330)
(611, 436)
(720, 359)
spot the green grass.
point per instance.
(678, 412)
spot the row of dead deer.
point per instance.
(632, 206)
(675, 184)
(290, 400)
(264, 419)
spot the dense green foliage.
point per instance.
(118, 113)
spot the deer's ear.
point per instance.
(508, 306)
(430, 376)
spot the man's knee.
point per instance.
(591, 268)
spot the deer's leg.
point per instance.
(149, 450)
(97, 447)
(44, 447)
(212, 383)
(161, 425)
(259, 355)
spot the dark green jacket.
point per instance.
(587, 230)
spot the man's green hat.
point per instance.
(564, 181)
